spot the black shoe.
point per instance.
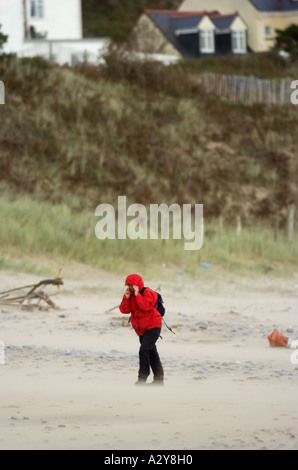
(140, 382)
(158, 383)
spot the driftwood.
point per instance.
(33, 296)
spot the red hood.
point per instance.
(135, 280)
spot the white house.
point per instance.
(48, 28)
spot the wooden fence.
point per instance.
(248, 90)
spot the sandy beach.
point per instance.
(69, 374)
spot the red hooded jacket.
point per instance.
(143, 314)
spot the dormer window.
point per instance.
(207, 41)
(36, 9)
(239, 44)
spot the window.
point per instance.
(37, 9)
(239, 45)
(207, 41)
(268, 32)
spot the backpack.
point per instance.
(159, 307)
(159, 304)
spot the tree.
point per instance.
(3, 39)
(116, 18)
(287, 40)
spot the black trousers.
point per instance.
(149, 356)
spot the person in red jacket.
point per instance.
(147, 323)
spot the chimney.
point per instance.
(281, 5)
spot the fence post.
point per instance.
(291, 220)
(239, 226)
(248, 90)
(276, 227)
(282, 91)
(220, 225)
(2, 93)
(88, 230)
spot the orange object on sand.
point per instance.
(276, 339)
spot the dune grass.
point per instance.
(83, 136)
(71, 139)
(34, 229)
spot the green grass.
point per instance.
(31, 229)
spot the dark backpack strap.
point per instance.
(168, 327)
(142, 292)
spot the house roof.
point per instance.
(162, 19)
(171, 21)
(275, 5)
(186, 23)
(223, 22)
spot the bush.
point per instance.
(3, 39)
(287, 40)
